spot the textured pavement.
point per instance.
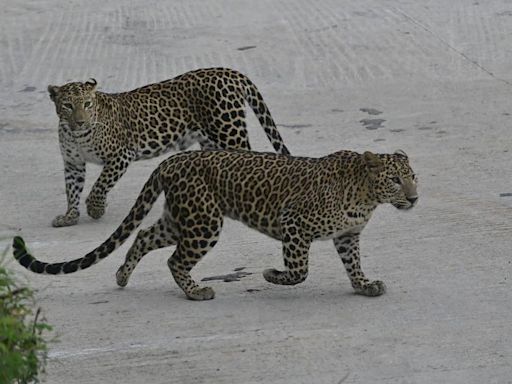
(433, 78)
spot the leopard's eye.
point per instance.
(68, 106)
(396, 180)
(88, 104)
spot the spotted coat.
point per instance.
(292, 199)
(206, 106)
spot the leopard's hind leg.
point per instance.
(227, 129)
(159, 235)
(199, 227)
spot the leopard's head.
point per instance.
(392, 179)
(75, 104)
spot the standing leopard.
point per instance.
(292, 199)
(206, 106)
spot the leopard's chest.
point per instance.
(90, 155)
(82, 146)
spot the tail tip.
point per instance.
(18, 242)
(18, 245)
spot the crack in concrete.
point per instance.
(294, 126)
(461, 54)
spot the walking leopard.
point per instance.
(292, 199)
(205, 106)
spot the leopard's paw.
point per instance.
(284, 277)
(66, 220)
(95, 207)
(273, 275)
(374, 288)
(122, 276)
(204, 293)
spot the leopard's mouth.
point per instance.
(81, 132)
(403, 206)
(81, 128)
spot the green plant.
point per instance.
(23, 349)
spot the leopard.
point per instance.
(295, 200)
(204, 106)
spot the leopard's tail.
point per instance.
(140, 209)
(258, 105)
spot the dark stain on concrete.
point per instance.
(372, 124)
(228, 277)
(99, 302)
(247, 47)
(371, 111)
(28, 89)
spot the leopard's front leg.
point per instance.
(110, 174)
(74, 175)
(348, 249)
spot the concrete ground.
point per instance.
(433, 78)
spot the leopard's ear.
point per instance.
(401, 153)
(53, 90)
(373, 163)
(91, 84)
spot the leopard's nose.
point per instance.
(412, 200)
(79, 123)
